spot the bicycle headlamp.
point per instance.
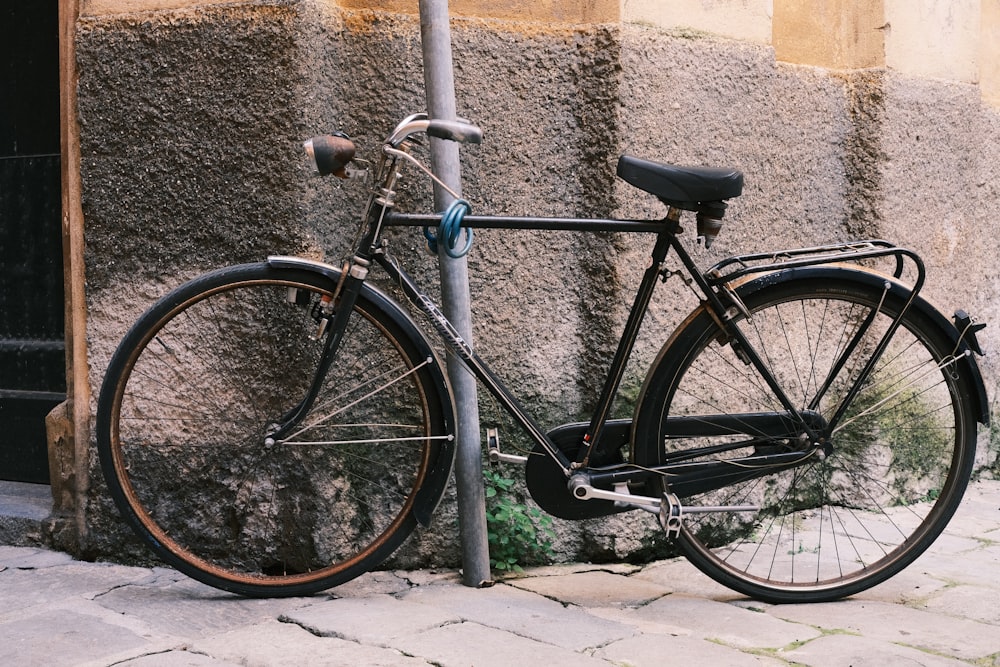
(330, 153)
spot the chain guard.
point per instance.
(548, 485)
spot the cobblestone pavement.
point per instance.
(943, 610)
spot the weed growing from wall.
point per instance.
(518, 534)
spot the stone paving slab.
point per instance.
(286, 644)
(943, 610)
(523, 614)
(27, 558)
(979, 512)
(728, 624)
(643, 625)
(937, 633)
(977, 603)
(594, 589)
(978, 567)
(912, 586)
(373, 583)
(177, 606)
(27, 588)
(465, 644)
(177, 658)
(62, 637)
(681, 576)
(841, 650)
(657, 650)
(375, 620)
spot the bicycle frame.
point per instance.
(716, 288)
(666, 231)
(479, 367)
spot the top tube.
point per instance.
(396, 219)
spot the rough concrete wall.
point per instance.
(189, 128)
(191, 123)
(941, 196)
(189, 157)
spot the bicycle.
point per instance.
(807, 431)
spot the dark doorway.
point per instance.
(32, 347)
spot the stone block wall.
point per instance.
(191, 120)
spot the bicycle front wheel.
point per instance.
(193, 392)
(895, 468)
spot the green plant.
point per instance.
(993, 446)
(516, 533)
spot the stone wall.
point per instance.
(191, 121)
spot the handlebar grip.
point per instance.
(455, 130)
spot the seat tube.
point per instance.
(625, 346)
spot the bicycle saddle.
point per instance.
(686, 188)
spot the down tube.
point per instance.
(458, 346)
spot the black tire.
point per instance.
(190, 394)
(900, 459)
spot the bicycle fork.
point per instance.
(333, 329)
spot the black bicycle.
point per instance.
(809, 429)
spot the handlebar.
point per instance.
(455, 130)
(330, 154)
(459, 130)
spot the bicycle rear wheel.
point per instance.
(898, 461)
(190, 396)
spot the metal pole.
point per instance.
(439, 86)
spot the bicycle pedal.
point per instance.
(493, 447)
(671, 515)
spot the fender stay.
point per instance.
(861, 275)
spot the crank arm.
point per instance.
(582, 490)
(493, 446)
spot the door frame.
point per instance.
(68, 426)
